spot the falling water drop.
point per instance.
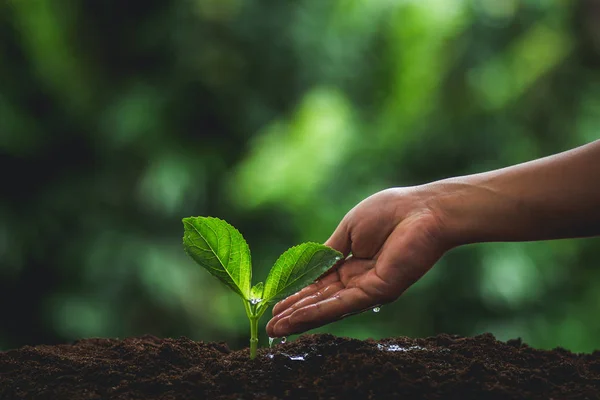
(283, 340)
(271, 341)
(377, 309)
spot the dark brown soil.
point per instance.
(314, 366)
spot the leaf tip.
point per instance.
(188, 220)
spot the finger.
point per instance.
(326, 280)
(344, 303)
(319, 295)
(348, 269)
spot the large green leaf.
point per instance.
(221, 250)
(298, 267)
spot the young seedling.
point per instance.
(222, 251)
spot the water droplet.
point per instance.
(255, 301)
(271, 341)
(283, 340)
(377, 309)
(299, 357)
(395, 347)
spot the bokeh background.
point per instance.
(118, 118)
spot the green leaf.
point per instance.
(257, 291)
(221, 250)
(298, 267)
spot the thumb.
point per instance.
(340, 239)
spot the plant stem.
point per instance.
(254, 312)
(253, 336)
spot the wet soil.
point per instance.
(314, 366)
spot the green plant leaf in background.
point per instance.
(296, 268)
(221, 250)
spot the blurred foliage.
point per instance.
(117, 119)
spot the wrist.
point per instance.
(467, 210)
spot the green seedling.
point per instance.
(222, 251)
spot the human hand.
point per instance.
(397, 235)
(389, 241)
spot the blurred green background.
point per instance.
(117, 119)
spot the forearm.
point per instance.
(550, 198)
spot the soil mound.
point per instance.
(313, 367)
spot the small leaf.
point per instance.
(257, 291)
(221, 250)
(298, 267)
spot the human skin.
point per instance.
(392, 238)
